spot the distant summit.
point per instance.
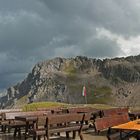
(110, 81)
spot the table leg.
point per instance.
(138, 136)
(121, 135)
(26, 129)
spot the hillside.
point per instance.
(109, 81)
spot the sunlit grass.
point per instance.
(34, 106)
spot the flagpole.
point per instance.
(86, 99)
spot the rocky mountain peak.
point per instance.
(62, 79)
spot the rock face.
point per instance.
(110, 81)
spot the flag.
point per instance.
(84, 91)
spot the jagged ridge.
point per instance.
(109, 81)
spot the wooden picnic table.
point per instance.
(131, 126)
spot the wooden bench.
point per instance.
(106, 123)
(3, 111)
(61, 123)
(10, 122)
(54, 110)
(94, 112)
(114, 111)
(39, 128)
(80, 110)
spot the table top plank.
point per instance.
(132, 125)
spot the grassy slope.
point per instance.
(34, 106)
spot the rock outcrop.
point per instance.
(110, 81)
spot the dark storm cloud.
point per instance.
(34, 30)
(118, 16)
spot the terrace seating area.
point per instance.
(71, 123)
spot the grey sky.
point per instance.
(35, 30)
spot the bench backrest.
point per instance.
(80, 109)
(3, 111)
(11, 115)
(41, 122)
(53, 110)
(10, 110)
(107, 122)
(67, 118)
(114, 111)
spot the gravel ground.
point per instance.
(88, 135)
